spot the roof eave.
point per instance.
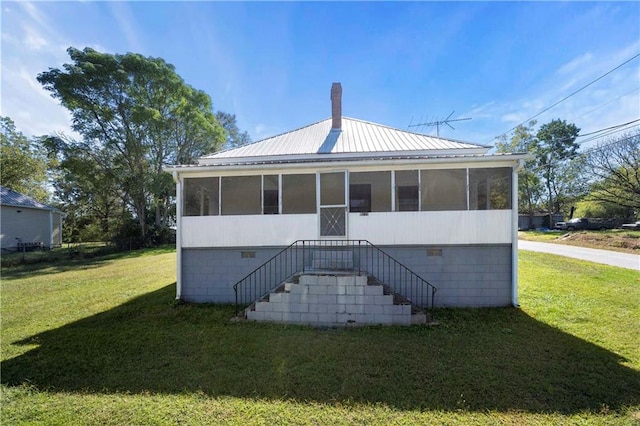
(513, 158)
(22, 206)
(342, 156)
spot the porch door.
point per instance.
(332, 204)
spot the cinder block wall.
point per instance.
(208, 275)
(466, 276)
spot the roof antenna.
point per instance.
(439, 123)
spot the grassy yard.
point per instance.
(101, 341)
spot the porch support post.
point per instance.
(178, 181)
(514, 233)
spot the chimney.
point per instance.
(336, 106)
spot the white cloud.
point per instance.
(574, 64)
(33, 40)
(123, 16)
(513, 118)
(29, 47)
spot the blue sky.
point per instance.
(272, 64)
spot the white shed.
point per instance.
(28, 223)
(445, 210)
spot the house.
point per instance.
(537, 221)
(413, 212)
(27, 223)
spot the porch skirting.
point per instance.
(465, 275)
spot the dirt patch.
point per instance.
(616, 240)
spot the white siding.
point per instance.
(393, 228)
(445, 227)
(248, 231)
(30, 225)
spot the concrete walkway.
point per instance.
(607, 257)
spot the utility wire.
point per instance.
(590, 150)
(570, 95)
(600, 133)
(605, 103)
(609, 128)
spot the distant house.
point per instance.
(349, 194)
(28, 223)
(537, 221)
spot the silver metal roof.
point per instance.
(9, 197)
(357, 138)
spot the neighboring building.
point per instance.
(447, 210)
(28, 223)
(537, 221)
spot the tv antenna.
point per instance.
(439, 123)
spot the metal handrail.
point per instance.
(333, 255)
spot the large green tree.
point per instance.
(529, 185)
(23, 163)
(554, 146)
(614, 168)
(144, 115)
(235, 137)
(84, 181)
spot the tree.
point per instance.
(23, 163)
(553, 148)
(143, 114)
(235, 138)
(614, 167)
(86, 186)
(529, 186)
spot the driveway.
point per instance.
(607, 257)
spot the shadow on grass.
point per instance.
(482, 359)
(62, 260)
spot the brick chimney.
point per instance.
(336, 106)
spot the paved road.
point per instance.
(607, 257)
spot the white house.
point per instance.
(444, 210)
(27, 223)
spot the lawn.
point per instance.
(101, 341)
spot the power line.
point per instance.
(606, 103)
(570, 95)
(609, 128)
(596, 148)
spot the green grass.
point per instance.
(65, 254)
(101, 341)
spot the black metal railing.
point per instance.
(334, 255)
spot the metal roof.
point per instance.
(9, 197)
(357, 138)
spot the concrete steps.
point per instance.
(334, 299)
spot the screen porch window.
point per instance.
(270, 195)
(299, 194)
(407, 191)
(490, 189)
(201, 196)
(241, 195)
(370, 192)
(443, 189)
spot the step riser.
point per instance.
(327, 300)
